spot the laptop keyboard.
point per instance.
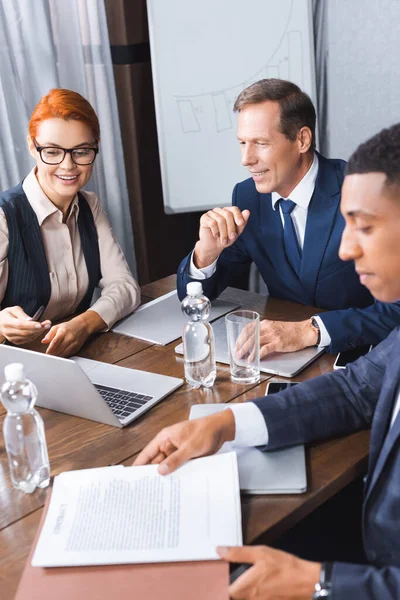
(122, 403)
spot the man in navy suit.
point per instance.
(365, 394)
(286, 219)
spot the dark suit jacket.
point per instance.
(343, 402)
(325, 281)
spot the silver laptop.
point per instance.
(286, 364)
(90, 389)
(161, 321)
(275, 472)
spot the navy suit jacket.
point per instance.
(342, 402)
(324, 281)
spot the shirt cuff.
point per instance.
(110, 313)
(325, 337)
(204, 273)
(251, 429)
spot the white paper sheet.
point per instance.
(122, 514)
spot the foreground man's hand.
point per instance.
(275, 575)
(190, 439)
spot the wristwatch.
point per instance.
(324, 585)
(314, 323)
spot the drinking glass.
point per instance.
(243, 333)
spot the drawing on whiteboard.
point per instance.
(188, 117)
(286, 62)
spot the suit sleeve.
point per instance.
(231, 262)
(357, 326)
(330, 405)
(365, 582)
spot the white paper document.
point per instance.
(119, 514)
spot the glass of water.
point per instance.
(243, 333)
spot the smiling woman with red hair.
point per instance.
(56, 243)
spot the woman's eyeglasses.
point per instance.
(54, 155)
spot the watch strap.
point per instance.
(315, 324)
(323, 587)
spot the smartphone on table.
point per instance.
(349, 356)
(274, 387)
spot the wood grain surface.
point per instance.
(75, 443)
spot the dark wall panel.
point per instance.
(160, 240)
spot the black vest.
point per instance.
(28, 283)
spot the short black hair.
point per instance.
(296, 108)
(379, 154)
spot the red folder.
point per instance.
(201, 580)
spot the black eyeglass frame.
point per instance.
(65, 150)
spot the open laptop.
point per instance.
(285, 364)
(275, 472)
(90, 389)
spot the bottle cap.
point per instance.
(14, 372)
(194, 288)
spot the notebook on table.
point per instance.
(285, 364)
(275, 472)
(161, 321)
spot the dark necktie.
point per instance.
(293, 252)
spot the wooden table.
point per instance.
(75, 443)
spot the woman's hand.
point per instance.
(68, 338)
(17, 327)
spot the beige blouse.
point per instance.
(120, 293)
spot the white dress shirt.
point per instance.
(251, 429)
(395, 410)
(301, 195)
(120, 293)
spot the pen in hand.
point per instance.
(45, 324)
(37, 314)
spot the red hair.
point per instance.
(64, 104)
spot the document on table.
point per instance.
(116, 515)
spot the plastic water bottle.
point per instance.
(198, 338)
(24, 432)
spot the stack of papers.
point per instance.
(119, 515)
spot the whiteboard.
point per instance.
(203, 54)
